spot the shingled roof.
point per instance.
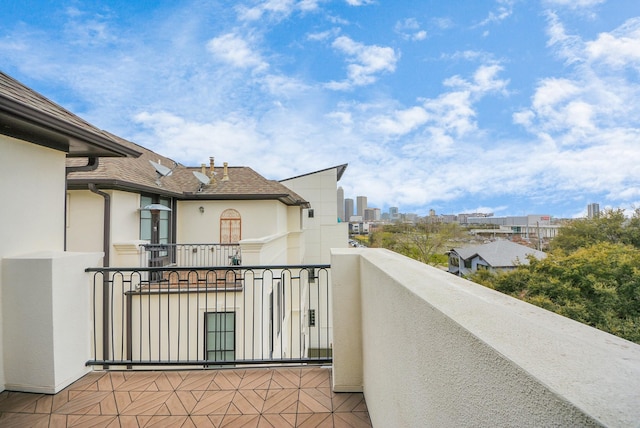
(29, 116)
(140, 175)
(500, 253)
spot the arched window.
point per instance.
(230, 227)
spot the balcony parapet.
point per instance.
(430, 349)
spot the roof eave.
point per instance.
(22, 121)
(340, 170)
(112, 184)
(284, 198)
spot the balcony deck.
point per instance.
(260, 397)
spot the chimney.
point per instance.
(211, 172)
(225, 175)
(203, 169)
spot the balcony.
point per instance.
(424, 347)
(190, 255)
(210, 316)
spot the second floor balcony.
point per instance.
(190, 255)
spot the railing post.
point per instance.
(129, 330)
(105, 318)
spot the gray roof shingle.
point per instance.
(139, 174)
(500, 253)
(28, 115)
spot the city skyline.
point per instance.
(502, 106)
(591, 210)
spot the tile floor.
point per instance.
(280, 397)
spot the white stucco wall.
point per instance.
(32, 188)
(32, 213)
(125, 216)
(84, 221)
(259, 219)
(432, 349)
(322, 231)
(49, 341)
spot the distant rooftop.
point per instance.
(500, 253)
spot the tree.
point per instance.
(611, 226)
(598, 285)
(423, 241)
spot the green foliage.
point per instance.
(424, 241)
(598, 285)
(611, 226)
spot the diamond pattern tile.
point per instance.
(263, 397)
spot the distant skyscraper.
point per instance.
(369, 214)
(341, 205)
(362, 205)
(593, 210)
(348, 209)
(393, 213)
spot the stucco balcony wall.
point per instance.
(430, 349)
(47, 321)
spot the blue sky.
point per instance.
(506, 106)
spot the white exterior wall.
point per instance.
(49, 341)
(125, 228)
(270, 229)
(163, 324)
(32, 213)
(259, 219)
(85, 212)
(322, 231)
(472, 356)
(32, 187)
(271, 225)
(86, 222)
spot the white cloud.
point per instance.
(359, 2)
(586, 122)
(183, 139)
(442, 23)
(283, 86)
(275, 9)
(453, 112)
(618, 48)
(365, 62)
(88, 29)
(410, 29)
(323, 35)
(234, 50)
(577, 109)
(503, 11)
(568, 47)
(484, 80)
(400, 122)
(442, 120)
(573, 4)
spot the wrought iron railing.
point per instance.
(190, 255)
(213, 316)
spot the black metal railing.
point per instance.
(213, 316)
(190, 255)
